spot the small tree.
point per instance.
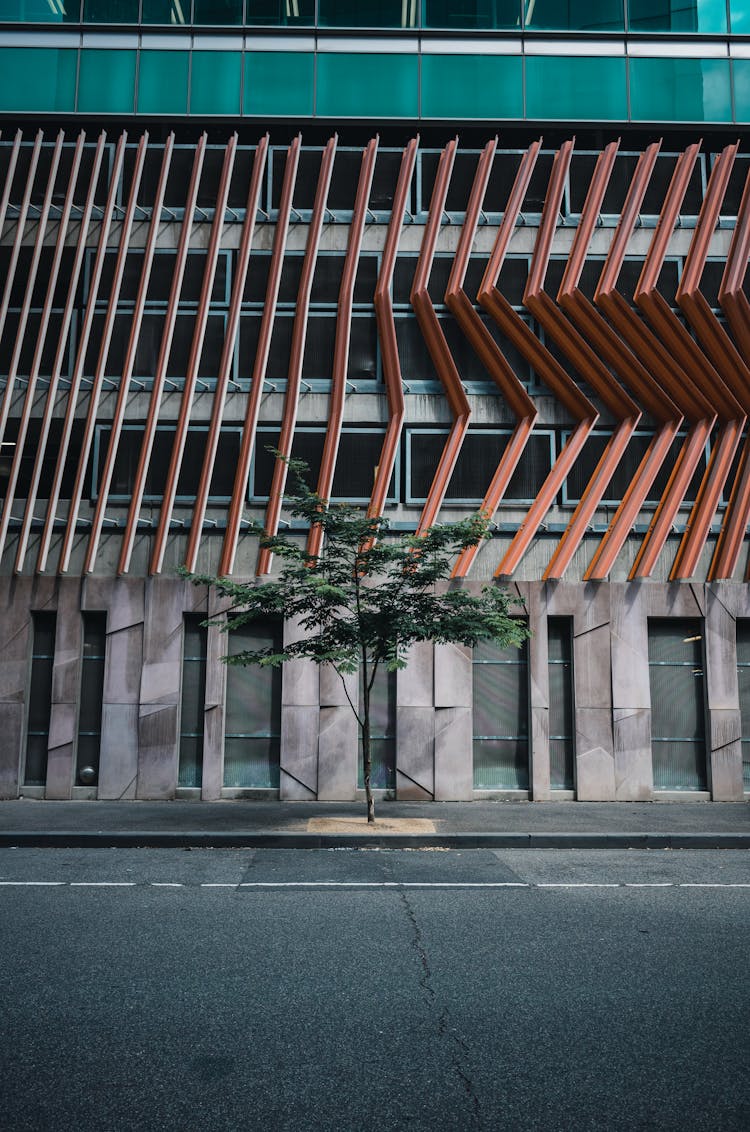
(365, 598)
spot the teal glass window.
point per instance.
(215, 82)
(680, 90)
(163, 82)
(367, 14)
(706, 16)
(106, 84)
(574, 15)
(576, 87)
(739, 17)
(367, 86)
(501, 717)
(472, 86)
(110, 11)
(476, 14)
(741, 79)
(278, 83)
(279, 13)
(39, 12)
(253, 715)
(175, 12)
(220, 12)
(678, 736)
(192, 701)
(37, 78)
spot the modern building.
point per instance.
(455, 255)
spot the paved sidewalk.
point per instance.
(399, 824)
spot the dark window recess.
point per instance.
(280, 12)
(40, 698)
(440, 275)
(382, 732)
(319, 346)
(358, 457)
(710, 281)
(327, 279)
(29, 344)
(504, 170)
(128, 453)
(239, 186)
(659, 184)
(743, 679)
(561, 721)
(193, 701)
(305, 186)
(21, 278)
(539, 183)
(501, 717)
(256, 280)
(476, 465)
(736, 187)
(735, 469)
(253, 714)
(385, 180)
(585, 465)
(512, 279)
(582, 166)
(678, 735)
(149, 183)
(49, 462)
(92, 691)
(277, 368)
(160, 278)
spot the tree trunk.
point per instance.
(366, 755)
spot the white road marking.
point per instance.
(166, 884)
(381, 884)
(307, 884)
(32, 883)
(102, 884)
(722, 884)
(577, 884)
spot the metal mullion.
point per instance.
(225, 364)
(6, 508)
(342, 340)
(162, 360)
(80, 358)
(20, 225)
(101, 363)
(122, 394)
(31, 495)
(296, 355)
(196, 349)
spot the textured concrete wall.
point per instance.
(319, 738)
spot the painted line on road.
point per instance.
(33, 883)
(102, 884)
(314, 884)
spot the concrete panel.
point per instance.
(158, 734)
(15, 638)
(66, 672)
(591, 667)
(300, 679)
(721, 655)
(337, 754)
(454, 769)
(118, 761)
(629, 644)
(452, 676)
(726, 756)
(415, 683)
(122, 598)
(634, 779)
(299, 752)
(11, 728)
(595, 764)
(123, 665)
(415, 752)
(61, 750)
(292, 790)
(540, 764)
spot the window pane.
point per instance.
(577, 87)
(163, 82)
(253, 693)
(706, 16)
(38, 12)
(34, 78)
(474, 14)
(677, 697)
(680, 90)
(367, 85)
(165, 11)
(739, 16)
(366, 14)
(192, 702)
(92, 691)
(741, 78)
(472, 86)
(278, 83)
(561, 725)
(251, 763)
(501, 764)
(276, 13)
(575, 15)
(40, 698)
(110, 11)
(215, 82)
(224, 12)
(107, 82)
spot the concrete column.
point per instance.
(159, 707)
(66, 685)
(595, 765)
(123, 601)
(338, 738)
(415, 725)
(539, 771)
(722, 694)
(15, 653)
(300, 682)
(631, 694)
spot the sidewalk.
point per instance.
(327, 825)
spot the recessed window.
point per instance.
(253, 717)
(561, 719)
(92, 691)
(192, 703)
(678, 734)
(40, 698)
(743, 679)
(382, 732)
(501, 717)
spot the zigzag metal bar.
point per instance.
(721, 351)
(735, 306)
(296, 355)
(75, 380)
(101, 363)
(586, 361)
(165, 347)
(227, 353)
(436, 344)
(627, 367)
(41, 232)
(105, 480)
(20, 227)
(490, 355)
(387, 334)
(563, 387)
(696, 377)
(49, 407)
(196, 349)
(342, 341)
(7, 506)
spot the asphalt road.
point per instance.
(374, 990)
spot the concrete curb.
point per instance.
(199, 839)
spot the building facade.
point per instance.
(457, 257)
